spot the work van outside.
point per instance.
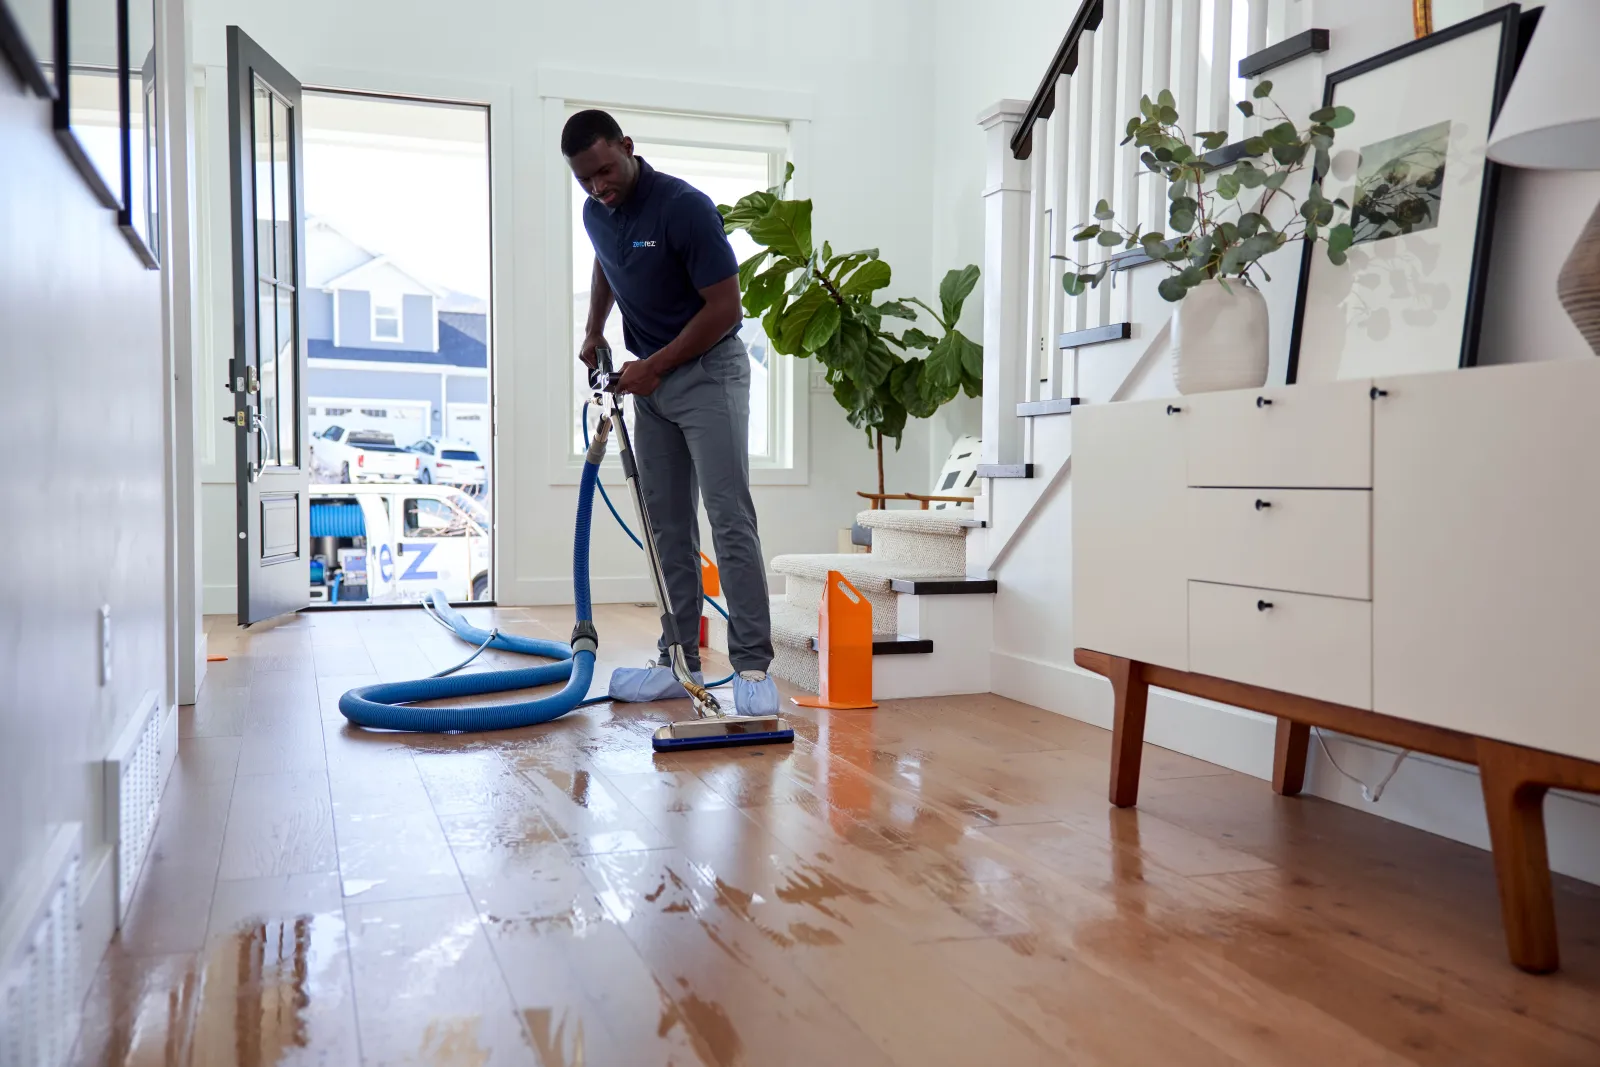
(389, 544)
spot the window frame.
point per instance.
(399, 317)
(788, 378)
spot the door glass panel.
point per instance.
(262, 136)
(288, 393)
(281, 188)
(267, 355)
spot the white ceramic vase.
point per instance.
(1219, 338)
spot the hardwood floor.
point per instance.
(934, 882)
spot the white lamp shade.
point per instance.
(1551, 117)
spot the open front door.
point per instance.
(268, 369)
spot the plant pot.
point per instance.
(1219, 338)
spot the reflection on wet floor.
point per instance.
(931, 882)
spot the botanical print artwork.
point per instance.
(1400, 184)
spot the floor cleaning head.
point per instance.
(711, 727)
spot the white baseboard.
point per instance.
(1428, 793)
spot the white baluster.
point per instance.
(1221, 65)
(1160, 22)
(1080, 164)
(1060, 226)
(1108, 131)
(1189, 65)
(1129, 208)
(1257, 40)
(1038, 255)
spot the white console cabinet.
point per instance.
(1414, 559)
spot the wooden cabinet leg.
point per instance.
(1522, 866)
(1127, 730)
(1289, 757)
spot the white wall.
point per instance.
(1000, 51)
(862, 69)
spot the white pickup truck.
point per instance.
(391, 544)
(355, 456)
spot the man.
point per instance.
(661, 255)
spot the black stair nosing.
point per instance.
(944, 586)
(1005, 470)
(1307, 43)
(1032, 409)
(1096, 335)
(894, 646)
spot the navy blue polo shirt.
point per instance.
(658, 249)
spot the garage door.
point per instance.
(470, 423)
(406, 419)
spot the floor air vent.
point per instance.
(39, 979)
(133, 795)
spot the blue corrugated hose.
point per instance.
(384, 707)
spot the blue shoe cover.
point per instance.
(754, 693)
(642, 685)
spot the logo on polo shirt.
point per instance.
(644, 244)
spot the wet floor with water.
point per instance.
(931, 882)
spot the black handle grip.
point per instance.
(1263, 605)
(1173, 410)
(1376, 392)
(1262, 402)
(1263, 504)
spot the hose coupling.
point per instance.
(585, 638)
(597, 444)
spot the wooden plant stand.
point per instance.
(1515, 779)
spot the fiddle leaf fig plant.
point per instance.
(816, 302)
(1215, 233)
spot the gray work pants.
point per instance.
(691, 439)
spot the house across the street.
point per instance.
(390, 350)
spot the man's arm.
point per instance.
(719, 314)
(600, 301)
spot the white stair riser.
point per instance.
(921, 550)
(806, 594)
(961, 629)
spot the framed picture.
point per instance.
(88, 102)
(28, 41)
(1421, 190)
(140, 120)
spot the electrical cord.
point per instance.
(1371, 794)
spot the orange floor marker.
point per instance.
(711, 585)
(844, 648)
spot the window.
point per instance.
(375, 413)
(460, 456)
(335, 411)
(385, 321)
(725, 159)
(333, 433)
(427, 517)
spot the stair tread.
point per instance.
(952, 522)
(866, 572)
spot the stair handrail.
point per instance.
(1043, 103)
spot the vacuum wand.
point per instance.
(604, 380)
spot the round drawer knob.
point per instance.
(1171, 410)
(1262, 402)
(1263, 605)
(1263, 504)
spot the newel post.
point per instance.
(1005, 282)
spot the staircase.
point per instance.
(931, 624)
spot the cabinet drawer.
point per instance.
(1315, 646)
(1300, 540)
(1290, 437)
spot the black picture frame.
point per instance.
(93, 160)
(36, 73)
(1515, 27)
(138, 94)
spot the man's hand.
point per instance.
(639, 377)
(586, 352)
